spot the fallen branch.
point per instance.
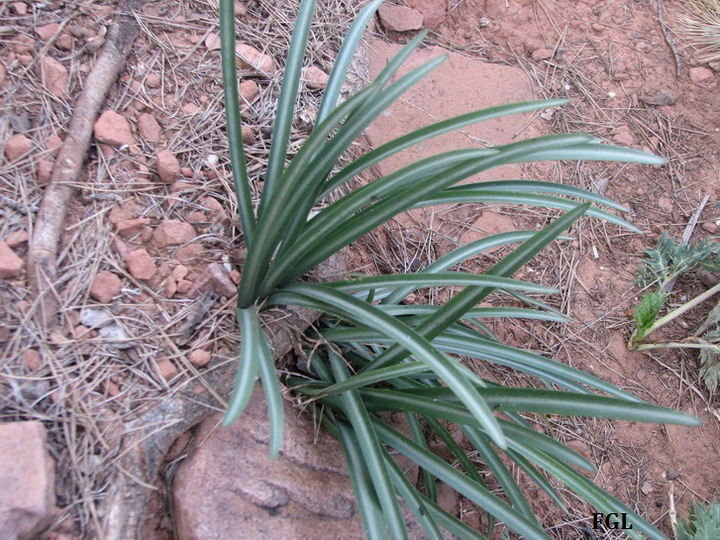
(668, 39)
(42, 255)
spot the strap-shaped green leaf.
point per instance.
(250, 350)
(232, 116)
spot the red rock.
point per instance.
(166, 369)
(3, 77)
(212, 42)
(25, 59)
(400, 18)
(53, 144)
(17, 146)
(434, 12)
(129, 227)
(113, 129)
(487, 224)
(64, 42)
(542, 54)
(250, 58)
(183, 286)
(215, 209)
(47, 31)
(105, 286)
(308, 481)
(170, 288)
(196, 217)
(191, 108)
(171, 232)
(54, 76)
(140, 264)
(120, 247)
(32, 360)
(148, 128)
(624, 136)
(200, 358)
(249, 90)
(27, 477)
(179, 272)
(700, 74)
(10, 264)
(188, 254)
(235, 276)
(181, 186)
(44, 171)
(248, 135)
(23, 44)
(20, 8)
(240, 10)
(315, 78)
(153, 80)
(17, 238)
(216, 277)
(168, 167)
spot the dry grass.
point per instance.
(701, 26)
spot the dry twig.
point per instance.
(42, 256)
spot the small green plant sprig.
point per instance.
(372, 353)
(703, 524)
(661, 267)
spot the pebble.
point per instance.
(17, 238)
(17, 146)
(183, 286)
(400, 18)
(140, 264)
(53, 144)
(113, 129)
(196, 217)
(315, 78)
(105, 286)
(188, 254)
(700, 74)
(47, 31)
(54, 76)
(166, 369)
(148, 128)
(168, 167)
(212, 42)
(44, 171)
(172, 232)
(248, 135)
(20, 8)
(3, 76)
(542, 54)
(10, 264)
(32, 359)
(708, 226)
(128, 227)
(249, 90)
(153, 80)
(200, 358)
(249, 57)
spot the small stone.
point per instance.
(27, 477)
(168, 167)
(44, 171)
(17, 238)
(212, 42)
(542, 54)
(25, 59)
(148, 128)
(17, 146)
(250, 58)
(315, 78)
(400, 18)
(10, 264)
(53, 144)
(181, 186)
(216, 277)
(249, 90)
(700, 74)
(128, 227)
(196, 217)
(32, 359)
(153, 80)
(64, 43)
(54, 76)
(113, 129)
(708, 226)
(179, 272)
(140, 264)
(171, 232)
(166, 369)
(597, 27)
(169, 288)
(183, 286)
(3, 77)
(200, 358)
(235, 276)
(105, 286)
(191, 108)
(672, 474)
(248, 135)
(20, 8)
(188, 254)
(47, 31)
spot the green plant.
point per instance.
(371, 353)
(661, 267)
(704, 523)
